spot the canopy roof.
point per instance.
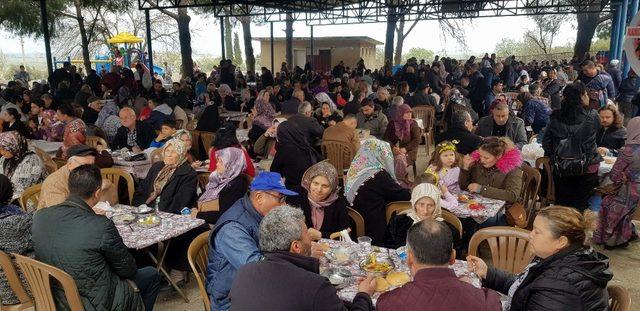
(124, 37)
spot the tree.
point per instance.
(401, 35)
(392, 20)
(419, 54)
(23, 17)
(237, 54)
(184, 33)
(248, 47)
(228, 46)
(587, 24)
(547, 27)
(289, 38)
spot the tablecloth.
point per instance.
(491, 208)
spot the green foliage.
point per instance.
(237, 53)
(419, 54)
(22, 17)
(603, 31)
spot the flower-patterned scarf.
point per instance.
(373, 156)
(16, 144)
(264, 114)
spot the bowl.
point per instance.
(340, 256)
(123, 219)
(142, 210)
(149, 221)
(338, 277)
(380, 267)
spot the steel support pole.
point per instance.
(222, 37)
(632, 12)
(147, 21)
(311, 58)
(623, 27)
(615, 26)
(45, 33)
(272, 57)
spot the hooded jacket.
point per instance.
(158, 115)
(574, 279)
(503, 181)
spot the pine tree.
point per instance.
(237, 53)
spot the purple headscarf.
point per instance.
(264, 114)
(234, 163)
(402, 126)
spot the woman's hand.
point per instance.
(477, 266)
(315, 234)
(467, 161)
(474, 187)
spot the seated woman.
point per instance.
(23, 167)
(371, 185)
(226, 184)
(404, 135)
(167, 130)
(325, 210)
(51, 129)
(226, 137)
(326, 115)
(75, 133)
(11, 118)
(263, 114)
(565, 272)
(15, 233)
(425, 200)
(294, 155)
(171, 186)
(186, 138)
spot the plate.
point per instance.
(149, 221)
(123, 219)
(379, 268)
(339, 256)
(338, 277)
(142, 209)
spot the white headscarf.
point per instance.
(322, 97)
(425, 190)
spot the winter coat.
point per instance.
(287, 281)
(584, 127)
(627, 90)
(515, 129)
(179, 192)
(375, 123)
(611, 138)
(335, 217)
(144, 136)
(70, 236)
(410, 143)
(574, 279)
(503, 181)
(159, 115)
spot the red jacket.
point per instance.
(438, 289)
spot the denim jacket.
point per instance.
(232, 244)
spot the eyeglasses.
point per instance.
(280, 198)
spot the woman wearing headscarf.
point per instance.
(227, 99)
(294, 154)
(325, 210)
(404, 134)
(264, 113)
(23, 167)
(327, 115)
(15, 236)
(225, 138)
(226, 183)
(425, 203)
(75, 131)
(52, 128)
(108, 119)
(371, 185)
(171, 183)
(616, 212)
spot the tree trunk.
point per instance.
(84, 41)
(185, 42)
(289, 47)
(391, 30)
(228, 45)
(399, 42)
(248, 48)
(587, 23)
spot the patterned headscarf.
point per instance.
(373, 156)
(421, 191)
(402, 126)
(234, 163)
(633, 131)
(167, 171)
(109, 109)
(322, 97)
(16, 144)
(264, 114)
(327, 170)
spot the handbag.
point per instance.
(517, 215)
(209, 206)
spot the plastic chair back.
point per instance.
(338, 153)
(30, 194)
(198, 255)
(395, 208)
(14, 284)
(510, 249)
(619, 298)
(358, 220)
(114, 175)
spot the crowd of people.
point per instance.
(263, 246)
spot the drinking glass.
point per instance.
(365, 244)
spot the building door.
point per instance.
(324, 60)
(299, 58)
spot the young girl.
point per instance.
(444, 166)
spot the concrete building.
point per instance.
(328, 51)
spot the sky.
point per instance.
(482, 34)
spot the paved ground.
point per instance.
(624, 263)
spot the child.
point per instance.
(167, 130)
(448, 200)
(444, 166)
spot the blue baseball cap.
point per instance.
(270, 181)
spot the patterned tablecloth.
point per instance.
(138, 169)
(232, 114)
(172, 225)
(349, 292)
(50, 147)
(491, 208)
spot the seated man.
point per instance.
(502, 122)
(160, 111)
(344, 131)
(372, 120)
(611, 135)
(287, 278)
(70, 236)
(461, 130)
(167, 130)
(308, 125)
(234, 239)
(133, 135)
(435, 286)
(55, 188)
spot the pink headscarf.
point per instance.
(402, 126)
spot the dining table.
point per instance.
(141, 237)
(359, 252)
(484, 209)
(50, 147)
(138, 169)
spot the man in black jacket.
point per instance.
(133, 135)
(461, 131)
(70, 236)
(288, 277)
(308, 125)
(612, 135)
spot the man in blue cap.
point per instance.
(234, 240)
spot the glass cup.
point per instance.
(365, 244)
